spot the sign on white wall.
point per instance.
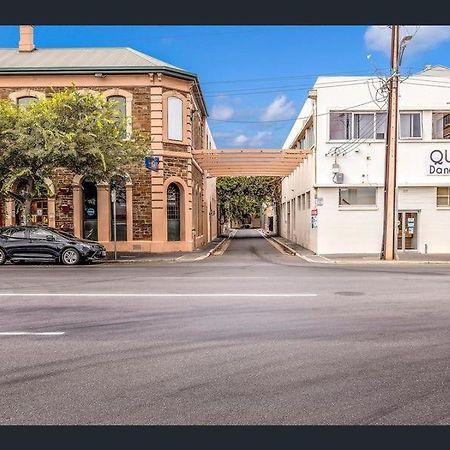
(439, 162)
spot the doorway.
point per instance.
(90, 228)
(173, 213)
(407, 230)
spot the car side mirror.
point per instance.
(49, 238)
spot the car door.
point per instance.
(44, 244)
(17, 244)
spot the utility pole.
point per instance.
(390, 191)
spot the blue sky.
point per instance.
(255, 73)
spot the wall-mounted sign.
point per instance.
(313, 222)
(151, 162)
(439, 162)
(90, 212)
(319, 201)
(314, 212)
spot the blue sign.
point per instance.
(151, 162)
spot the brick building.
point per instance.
(171, 209)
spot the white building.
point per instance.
(333, 202)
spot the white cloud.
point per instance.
(281, 108)
(240, 139)
(378, 38)
(256, 140)
(260, 137)
(222, 112)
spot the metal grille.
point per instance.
(173, 202)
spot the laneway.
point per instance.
(253, 336)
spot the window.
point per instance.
(308, 200)
(340, 125)
(121, 107)
(359, 125)
(441, 125)
(299, 202)
(443, 196)
(15, 233)
(25, 101)
(118, 183)
(40, 234)
(410, 125)
(380, 125)
(303, 201)
(174, 119)
(363, 125)
(357, 196)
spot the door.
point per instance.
(407, 230)
(18, 244)
(89, 210)
(44, 244)
(173, 212)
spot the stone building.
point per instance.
(170, 209)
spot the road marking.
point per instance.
(153, 294)
(29, 333)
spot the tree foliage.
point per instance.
(240, 197)
(79, 132)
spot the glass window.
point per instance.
(441, 125)
(363, 125)
(25, 101)
(340, 125)
(357, 196)
(121, 107)
(381, 125)
(443, 196)
(16, 233)
(119, 184)
(40, 233)
(175, 119)
(410, 126)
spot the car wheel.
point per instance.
(70, 257)
(2, 256)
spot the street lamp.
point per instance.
(113, 201)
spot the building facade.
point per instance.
(172, 208)
(333, 201)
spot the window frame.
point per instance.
(181, 127)
(432, 125)
(352, 133)
(410, 138)
(447, 196)
(358, 205)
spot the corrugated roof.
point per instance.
(79, 59)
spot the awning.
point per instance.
(249, 162)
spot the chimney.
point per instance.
(26, 40)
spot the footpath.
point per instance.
(403, 257)
(196, 255)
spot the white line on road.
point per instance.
(29, 333)
(153, 294)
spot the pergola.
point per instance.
(249, 162)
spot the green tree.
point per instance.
(240, 197)
(82, 133)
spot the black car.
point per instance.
(43, 244)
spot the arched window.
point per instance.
(174, 119)
(121, 105)
(24, 101)
(118, 184)
(173, 212)
(90, 226)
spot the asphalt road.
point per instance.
(250, 337)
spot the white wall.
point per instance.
(359, 230)
(433, 222)
(300, 181)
